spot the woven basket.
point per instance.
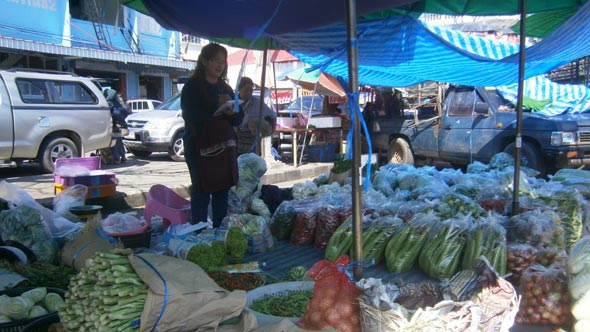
(493, 310)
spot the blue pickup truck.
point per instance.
(474, 123)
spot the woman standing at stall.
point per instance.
(210, 143)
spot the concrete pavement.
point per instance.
(137, 175)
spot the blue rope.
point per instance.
(165, 291)
(349, 269)
(353, 105)
(79, 251)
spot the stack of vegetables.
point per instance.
(578, 268)
(106, 295)
(210, 256)
(30, 304)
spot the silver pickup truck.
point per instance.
(48, 115)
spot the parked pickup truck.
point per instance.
(45, 115)
(474, 123)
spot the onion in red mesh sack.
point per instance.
(334, 303)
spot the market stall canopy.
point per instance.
(316, 80)
(402, 51)
(243, 19)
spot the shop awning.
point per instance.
(321, 83)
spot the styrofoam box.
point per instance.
(325, 121)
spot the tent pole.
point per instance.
(352, 47)
(261, 105)
(518, 143)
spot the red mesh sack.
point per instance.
(335, 298)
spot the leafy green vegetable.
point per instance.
(297, 273)
(37, 311)
(16, 308)
(219, 251)
(4, 319)
(202, 254)
(291, 304)
(35, 294)
(53, 302)
(236, 243)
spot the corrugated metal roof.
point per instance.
(33, 46)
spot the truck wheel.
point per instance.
(399, 152)
(529, 156)
(140, 153)
(176, 151)
(53, 148)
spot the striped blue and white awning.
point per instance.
(402, 51)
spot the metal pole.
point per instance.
(357, 230)
(261, 105)
(517, 150)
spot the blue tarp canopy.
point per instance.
(401, 51)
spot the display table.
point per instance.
(293, 132)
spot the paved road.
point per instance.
(137, 175)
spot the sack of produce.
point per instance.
(334, 303)
(441, 255)
(84, 244)
(539, 228)
(569, 206)
(405, 244)
(328, 220)
(578, 268)
(545, 298)
(519, 257)
(304, 225)
(255, 228)
(188, 300)
(281, 224)
(24, 224)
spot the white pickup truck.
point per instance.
(48, 115)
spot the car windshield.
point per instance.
(171, 104)
(304, 104)
(498, 100)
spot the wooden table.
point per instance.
(294, 140)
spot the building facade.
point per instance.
(125, 49)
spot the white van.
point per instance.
(45, 115)
(140, 105)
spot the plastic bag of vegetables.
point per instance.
(578, 268)
(441, 255)
(25, 224)
(405, 244)
(334, 303)
(537, 228)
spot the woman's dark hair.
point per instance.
(208, 52)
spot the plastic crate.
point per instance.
(37, 324)
(321, 153)
(90, 163)
(105, 190)
(87, 180)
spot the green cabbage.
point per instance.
(37, 311)
(53, 302)
(3, 298)
(36, 294)
(16, 308)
